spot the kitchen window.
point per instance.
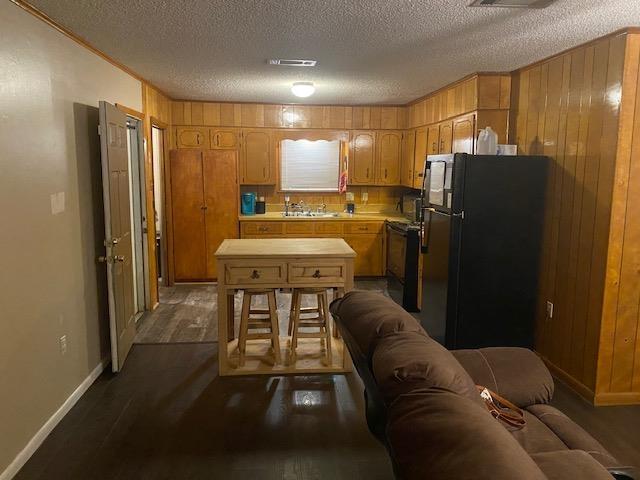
(309, 165)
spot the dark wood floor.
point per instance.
(168, 416)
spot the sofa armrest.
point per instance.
(517, 374)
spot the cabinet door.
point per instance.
(188, 215)
(368, 248)
(224, 138)
(362, 158)
(396, 252)
(446, 136)
(389, 155)
(220, 173)
(419, 156)
(257, 154)
(191, 137)
(433, 140)
(463, 129)
(408, 153)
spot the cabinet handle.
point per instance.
(316, 274)
(255, 274)
(197, 139)
(203, 207)
(264, 172)
(363, 229)
(367, 172)
(385, 173)
(217, 139)
(435, 146)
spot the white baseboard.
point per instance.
(50, 424)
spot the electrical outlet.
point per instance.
(63, 344)
(349, 196)
(549, 309)
(365, 196)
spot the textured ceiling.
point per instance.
(368, 51)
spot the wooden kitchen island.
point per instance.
(280, 264)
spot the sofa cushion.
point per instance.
(571, 434)
(500, 369)
(369, 316)
(570, 464)
(405, 361)
(439, 434)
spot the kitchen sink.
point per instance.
(311, 214)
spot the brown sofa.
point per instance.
(423, 404)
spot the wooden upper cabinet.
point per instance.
(446, 137)
(408, 152)
(463, 130)
(419, 156)
(191, 137)
(224, 138)
(388, 158)
(433, 140)
(257, 157)
(362, 158)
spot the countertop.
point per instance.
(284, 247)
(344, 217)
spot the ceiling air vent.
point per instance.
(512, 3)
(292, 63)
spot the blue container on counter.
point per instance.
(248, 204)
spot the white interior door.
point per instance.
(118, 239)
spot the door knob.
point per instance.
(255, 274)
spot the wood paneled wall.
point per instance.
(618, 378)
(288, 116)
(480, 91)
(568, 108)
(383, 199)
(156, 108)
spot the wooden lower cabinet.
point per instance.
(204, 210)
(369, 250)
(366, 238)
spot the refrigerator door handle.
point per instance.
(426, 229)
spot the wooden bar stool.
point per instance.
(255, 318)
(321, 320)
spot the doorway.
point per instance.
(138, 207)
(157, 159)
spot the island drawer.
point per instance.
(262, 228)
(363, 227)
(237, 274)
(301, 272)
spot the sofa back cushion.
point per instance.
(369, 316)
(439, 434)
(500, 369)
(406, 361)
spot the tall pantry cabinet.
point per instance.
(204, 210)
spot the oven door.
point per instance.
(403, 255)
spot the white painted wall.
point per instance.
(50, 284)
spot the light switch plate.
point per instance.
(57, 203)
(349, 196)
(549, 309)
(365, 196)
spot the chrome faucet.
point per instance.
(286, 206)
(322, 208)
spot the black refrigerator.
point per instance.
(481, 241)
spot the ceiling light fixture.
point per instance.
(303, 89)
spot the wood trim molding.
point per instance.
(231, 102)
(130, 111)
(27, 7)
(456, 82)
(156, 122)
(617, 398)
(568, 380)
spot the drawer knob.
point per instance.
(255, 274)
(316, 274)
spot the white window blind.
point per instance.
(312, 166)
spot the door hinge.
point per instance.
(99, 129)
